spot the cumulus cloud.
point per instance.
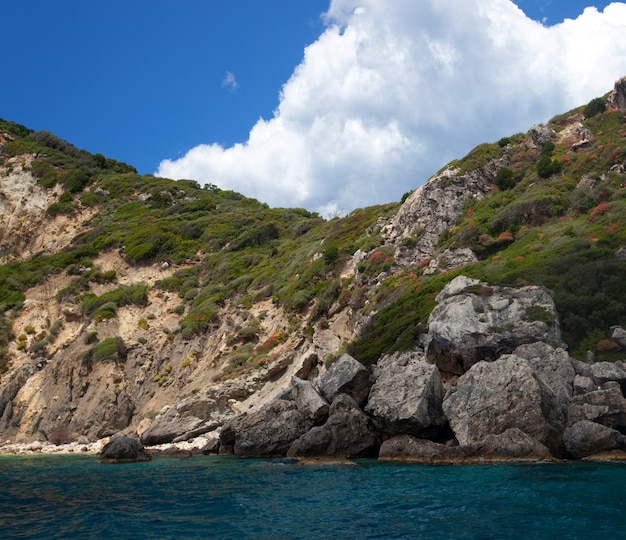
(392, 91)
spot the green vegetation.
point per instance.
(556, 219)
(111, 349)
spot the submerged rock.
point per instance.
(123, 449)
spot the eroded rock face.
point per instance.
(476, 322)
(495, 396)
(347, 433)
(406, 396)
(617, 99)
(345, 376)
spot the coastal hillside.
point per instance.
(174, 311)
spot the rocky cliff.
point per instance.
(480, 318)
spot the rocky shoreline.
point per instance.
(491, 383)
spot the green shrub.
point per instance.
(595, 106)
(109, 349)
(111, 301)
(504, 179)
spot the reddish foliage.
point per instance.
(423, 263)
(599, 210)
(607, 345)
(506, 236)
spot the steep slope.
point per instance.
(140, 304)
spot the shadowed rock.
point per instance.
(585, 438)
(410, 448)
(123, 449)
(347, 433)
(270, 431)
(511, 444)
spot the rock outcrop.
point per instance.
(475, 322)
(434, 208)
(617, 98)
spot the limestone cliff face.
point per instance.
(433, 208)
(25, 229)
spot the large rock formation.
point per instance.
(475, 322)
(617, 98)
(507, 393)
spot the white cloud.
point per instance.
(230, 81)
(392, 91)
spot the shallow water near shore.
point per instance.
(225, 497)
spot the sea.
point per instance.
(73, 496)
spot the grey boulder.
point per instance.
(123, 449)
(348, 433)
(268, 432)
(345, 376)
(474, 322)
(495, 396)
(407, 396)
(585, 438)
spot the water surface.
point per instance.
(226, 497)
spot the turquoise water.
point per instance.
(225, 497)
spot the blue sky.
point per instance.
(313, 103)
